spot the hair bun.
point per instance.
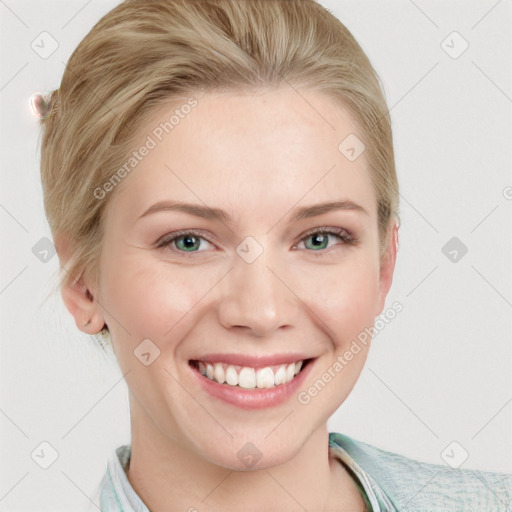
(41, 104)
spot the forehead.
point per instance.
(248, 151)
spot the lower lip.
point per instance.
(252, 398)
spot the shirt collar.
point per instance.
(118, 495)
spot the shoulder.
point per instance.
(414, 485)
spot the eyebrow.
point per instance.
(218, 214)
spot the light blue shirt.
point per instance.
(389, 482)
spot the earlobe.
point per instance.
(81, 304)
(387, 267)
(77, 298)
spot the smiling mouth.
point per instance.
(247, 377)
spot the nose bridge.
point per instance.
(254, 296)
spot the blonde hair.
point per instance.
(147, 52)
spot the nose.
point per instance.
(257, 298)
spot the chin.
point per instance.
(241, 454)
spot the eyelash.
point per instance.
(345, 236)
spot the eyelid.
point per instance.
(342, 232)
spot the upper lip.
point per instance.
(252, 361)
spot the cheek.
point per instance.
(152, 299)
(344, 297)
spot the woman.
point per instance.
(220, 184)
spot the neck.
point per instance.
(165, 471)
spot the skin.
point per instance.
(259, 157)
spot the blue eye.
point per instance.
(190, 241)
(320, 238)
(184, 241)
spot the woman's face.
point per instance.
(255, 284)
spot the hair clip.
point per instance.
(41, 105)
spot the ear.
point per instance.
(77, 296)
(387, 268)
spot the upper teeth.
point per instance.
(250, 378)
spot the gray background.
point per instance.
(439, 372)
